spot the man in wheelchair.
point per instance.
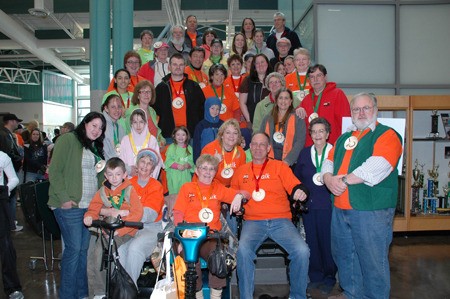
(268, 215)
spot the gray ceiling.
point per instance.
(57, 41)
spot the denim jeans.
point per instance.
(74, 283)
(284, 233)
(360, 246)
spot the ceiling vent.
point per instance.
(42, 8)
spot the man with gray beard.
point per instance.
(177, 45)
(361, 173)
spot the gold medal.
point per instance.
(278, 137)
(202, 85)
(258, 195)
(118, 149)
(100, 165)
(351, 143)
(227, 173)
(206, 215)
(313, 116)
(177, 103)
(302, 94)
(316, 179)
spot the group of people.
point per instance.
(270, 137)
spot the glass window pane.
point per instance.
(356, 42)
(424, 44)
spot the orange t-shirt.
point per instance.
(189, 202)
(276, 180)
(213, 148)
(193, 37)
(292, 83)
(230, 102)
(179, 114)
(151, 195)
(382, 148)
(197, 75)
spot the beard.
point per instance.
(362, 124)
(178, 41)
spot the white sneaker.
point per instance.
(18, 228)
(16, 295)
(99, 297)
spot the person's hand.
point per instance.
(300, 112)
(87, 221)
(69, 204)
(180, 167)
(299, 195)
(236, 203)
(187, 166)
(334, 183)
(218, 156)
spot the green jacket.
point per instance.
(65, 171)
(364, 197)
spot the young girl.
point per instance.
(179, 160)
(138, 139)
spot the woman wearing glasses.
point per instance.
(132, 63)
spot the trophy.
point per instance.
(415, 202)
(416, 175)
(445, 189)
(434, 125)
(433, 183)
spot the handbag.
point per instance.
(166, 287)
(121, 285)
(220, 262)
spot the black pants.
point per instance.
(11, 282)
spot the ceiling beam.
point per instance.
(14, 31)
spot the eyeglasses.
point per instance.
(275, 82)
(321, 131)
(132, 62)
(364, 109)
(254, 144)
(207, 169)
(145, 92)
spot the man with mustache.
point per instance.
(360, 172)
(177, 45)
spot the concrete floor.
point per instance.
(420, 267)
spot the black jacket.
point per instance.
(195, 101)
(290, 35)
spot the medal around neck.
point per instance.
(227, 173)
(313, 116)
(258, 195)
(278, 137)
(117, 149)
(206, 215)
(223, 108)
(177, 103)
(316, 179)
(202, 85)
(351, 143)
(100, 165)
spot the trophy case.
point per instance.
(429, 167)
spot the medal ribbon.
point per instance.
(177, 93)
(133, 145)
(272, 100)
(96, 155)
(260, 174)
(203, 202)
(215, 92)
(116, 134)
(316, 107)
(226, 165)
(302, 87)
(113, 200)
(195, 74)
(319, 165)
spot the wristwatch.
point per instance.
(344, 180)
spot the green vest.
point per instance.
(363, 197)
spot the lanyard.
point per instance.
(316, 107)
(194, 74)
(225, 164)
(117, 201)
(272, 100)
(319, 165)
(96, 154)
(177, 93)
(215, 92)
(116, 133)
(204, 202)
(302, 87)
(133, 146)
(260, 174)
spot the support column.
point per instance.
(100, 56)
(122, 31)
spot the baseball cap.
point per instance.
(160, 45)
(11, 116)
(216, 41)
